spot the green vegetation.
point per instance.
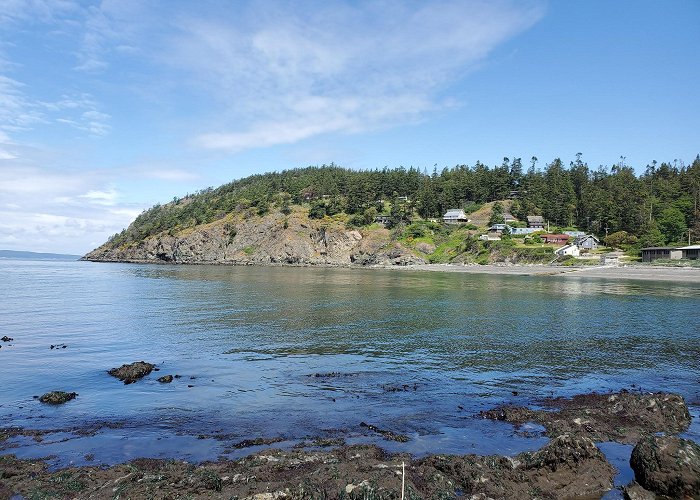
(661, 206)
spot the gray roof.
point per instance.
(455, 212)
(535, 218)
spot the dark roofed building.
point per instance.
(691, 252)
(651, 254)
(555, 238)
(587, 242)
(536, 221)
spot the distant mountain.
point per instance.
(18, 254)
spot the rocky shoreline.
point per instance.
(569, 466)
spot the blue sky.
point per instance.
(109, 107)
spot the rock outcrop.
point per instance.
(130, 373)
(667, 465)
(273, 239)
(623, 417)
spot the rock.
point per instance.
(248, 443)
(388, 435)
(165, 379)
(57, 397)
(569, 467)
(264, 241)
(564, 450)
(622, 417)
(6, 339)
(667, 465)
(634, 491)
(132, 372)
(514, 414)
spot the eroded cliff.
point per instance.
(264, 240)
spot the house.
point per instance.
(383, 219)
(691, 252)
(520, 231)
(490, 237)
(536, 221)
(455, 216)
(651, 254)
(568, 249)
(499, 228)
(587, 242)
(507, 217)
(575, 234)
(555, 238)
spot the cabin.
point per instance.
(691, 252)
(568, 249)
(560, 239)
(536, 221)
(455, 216)
(650, 254)
(508, 217)
(587, 242)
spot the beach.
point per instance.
(630, 272)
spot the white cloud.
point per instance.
(6, 155)
(285, 73)
(101, 197)
(46, 210)
(248, 75)
(170, 175)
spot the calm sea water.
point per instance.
(413, 352)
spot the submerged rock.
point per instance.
(130, 373)
(165, 379)
(388, 435)
(667, 466)
(5, 338)
(57, 397)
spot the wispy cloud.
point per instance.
(219, 76)
(285, 73)
(48, 210)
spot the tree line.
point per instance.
(659, 206)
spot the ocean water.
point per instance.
(300, 353)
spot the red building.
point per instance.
(559, 239)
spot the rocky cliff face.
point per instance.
(269, 240)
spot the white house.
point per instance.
(490, 237)
(455, 216)
(568, 250)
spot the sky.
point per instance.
(107, 108)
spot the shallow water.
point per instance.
(413, 352)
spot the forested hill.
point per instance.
(659, 206)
